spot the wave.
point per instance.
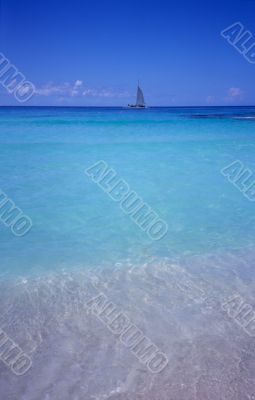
(223, 116)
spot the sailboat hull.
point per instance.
(140, 102)
(135, 106)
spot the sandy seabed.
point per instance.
(178, 306)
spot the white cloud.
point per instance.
(89, 92)
(77, 89)
(234, 94)
(104, 93)
(78, 83)
(50, 89)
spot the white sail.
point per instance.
(140, 97)
(140, 102)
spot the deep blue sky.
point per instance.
(173, 47)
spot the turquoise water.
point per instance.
(171, 157)
(82, 243)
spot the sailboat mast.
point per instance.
(140, 102)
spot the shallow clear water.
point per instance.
(168, 156)
(172, 158)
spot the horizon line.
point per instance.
(108, 106)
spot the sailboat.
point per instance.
(140, 102)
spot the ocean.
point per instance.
(189, 292)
